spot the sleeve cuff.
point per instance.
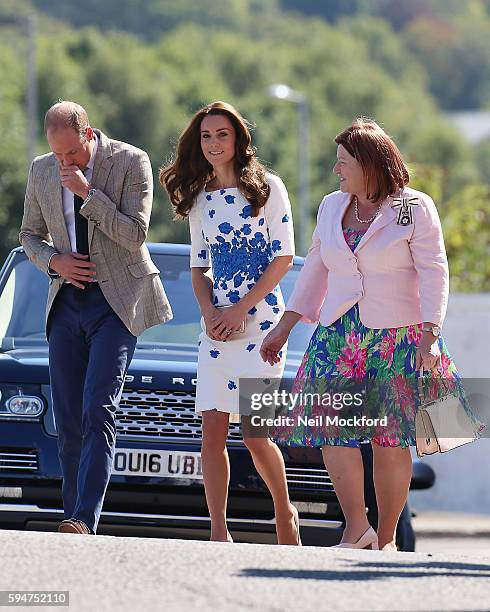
(52, 273)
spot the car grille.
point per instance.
(308, 478)
(18, 460)
(162, 415)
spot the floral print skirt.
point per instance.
(379, 363)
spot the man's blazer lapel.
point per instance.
(102, 168)
(55, 191)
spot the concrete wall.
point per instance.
(463, 475)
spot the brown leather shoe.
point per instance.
(73, 526)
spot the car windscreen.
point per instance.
(24, 293)
(23, 303)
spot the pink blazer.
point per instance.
(398, 273)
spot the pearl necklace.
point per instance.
(356, 210)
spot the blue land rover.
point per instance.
(156, 487)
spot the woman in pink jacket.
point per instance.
(376, 279)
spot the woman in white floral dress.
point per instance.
(241, 227)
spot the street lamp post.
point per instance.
(283, 92)
(29, 22)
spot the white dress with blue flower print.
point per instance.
(238, 248)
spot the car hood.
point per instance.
(151, 367)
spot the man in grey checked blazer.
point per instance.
(86, 215)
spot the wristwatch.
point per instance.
(435, 330)
(90, 195)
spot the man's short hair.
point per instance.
(66, 115)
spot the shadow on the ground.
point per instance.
(365, 570)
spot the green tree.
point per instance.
(148, 19)
(456, 55)
(13, 155)
(465, 224)
(482, 156)
(145, 93)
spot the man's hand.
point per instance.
(73, 179)
(73, 268)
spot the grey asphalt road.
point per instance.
(140, 574)
(475, 546)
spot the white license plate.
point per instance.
(158, 463)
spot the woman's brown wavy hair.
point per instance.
(190, 171)
(382, 163)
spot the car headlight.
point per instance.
(21, 401)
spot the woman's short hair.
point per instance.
(188, 174)
(382, 163)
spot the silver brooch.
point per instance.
(405, 212)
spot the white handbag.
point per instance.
(441, 424)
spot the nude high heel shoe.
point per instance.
(369, 540)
